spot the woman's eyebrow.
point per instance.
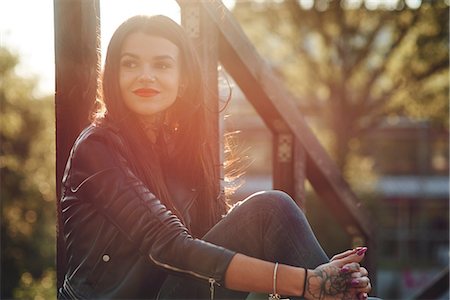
(162, 57)
(129, 54)
(157, 57)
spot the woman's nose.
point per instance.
(147, 76)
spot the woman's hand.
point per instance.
(341, 278)
(361, 252)
(361, 284)
(358, 250)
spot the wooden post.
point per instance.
(283, 144)
(77, 40)
(299, 174)
(204, 34)
(274, 103)
(289, 166)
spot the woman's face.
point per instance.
(149, 75)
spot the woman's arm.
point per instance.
(100, 179)
(328, 281)
(251, 274)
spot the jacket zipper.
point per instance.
(69, 289)
(74, 190)
(211, 281)
(211, 288)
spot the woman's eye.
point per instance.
(163, 65)
(129, 63)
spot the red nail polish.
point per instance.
(362, 251)
(354, 282)
(344, 270)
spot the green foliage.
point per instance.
(354, 70)
(27, 152)
(351, 67)
(425, 73)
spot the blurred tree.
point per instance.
(27, 187)
(352, 64)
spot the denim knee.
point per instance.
(272, 201)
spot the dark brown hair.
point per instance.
(187, 120)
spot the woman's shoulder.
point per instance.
(97, 145)
(96, 149)
(98, 136)
(98, 133)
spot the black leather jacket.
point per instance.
(121, 241)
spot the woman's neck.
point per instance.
(151, 126)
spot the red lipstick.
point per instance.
(145, 92)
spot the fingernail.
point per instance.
(364, 296)
(344, 270)
(362, 251)
(354, 282)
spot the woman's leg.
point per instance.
(266, 225)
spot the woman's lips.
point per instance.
(145, 92)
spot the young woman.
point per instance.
(140, 214)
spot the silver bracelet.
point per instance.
(275, 296)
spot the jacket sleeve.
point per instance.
(99, 172)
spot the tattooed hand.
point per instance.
(342, 278)
(326, 282)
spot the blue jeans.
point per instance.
(267, 225)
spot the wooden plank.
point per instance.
(436, 288)
(283, 163)
(289, 167)
(299, 176)
(204, 35)
(277, 108)
(76, 70)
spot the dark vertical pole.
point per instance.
(76, 69)
(289, 166)
(283, 146)
(204, 34)
(299, 174)
(371, 258)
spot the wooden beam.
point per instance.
(205, 37)
(76, 68)
(299, 176)
(283, 163)
(278, 109)
(289, 167)
(436, 288)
